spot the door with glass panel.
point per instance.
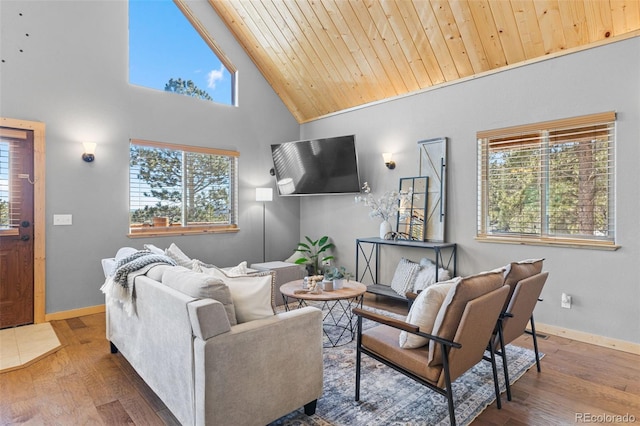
(16, 227)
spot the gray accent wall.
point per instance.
(73, 76)
(605, 285)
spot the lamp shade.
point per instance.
(264, 194)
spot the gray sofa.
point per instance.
(209, 372)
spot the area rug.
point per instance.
(389, 398)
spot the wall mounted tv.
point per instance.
(316, 166)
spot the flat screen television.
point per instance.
(316, 166)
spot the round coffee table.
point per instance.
(338, 322)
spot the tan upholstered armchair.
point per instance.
(515, 317)
(462, 329)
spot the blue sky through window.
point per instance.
(163, 45)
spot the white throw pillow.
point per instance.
(426, 276)
(423, 313)
(252, 294)
(154, 249)
(241, 269)
(176, 254)
(404, 276)
(295, 256)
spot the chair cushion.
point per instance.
(404, 276)
(383, 340)
(450, 313)
(423, 313)
(518, 271)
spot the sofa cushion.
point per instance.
(253, 295)
(450, 313)
(200, 286)
(404, 276)
(156, 272)
(423, 313)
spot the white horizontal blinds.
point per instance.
(581, 181)
(10, 184)
(155, 186)
(514, 174)
(5, 190)
(208, 188)
(551, 180)
(173, 185)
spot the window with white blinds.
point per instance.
(551, 182)
(6, 218)
(181, 189)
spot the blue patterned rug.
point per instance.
(389, 398)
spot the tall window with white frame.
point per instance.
(549, 183)
(176, 189)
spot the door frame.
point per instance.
(39, 222)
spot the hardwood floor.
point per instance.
(83, 383)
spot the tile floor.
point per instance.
(20, 346)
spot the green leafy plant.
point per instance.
(312, 253)
(336, 273)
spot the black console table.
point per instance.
(445, 257)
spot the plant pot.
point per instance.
(327, 285)
(338, 283)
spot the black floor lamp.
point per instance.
(264, 195)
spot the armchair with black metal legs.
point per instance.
(513, 321)
(443, 360)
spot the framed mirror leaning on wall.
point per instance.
(412, 212)
(433, 164)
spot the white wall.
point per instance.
(73, 76)
(605, 285)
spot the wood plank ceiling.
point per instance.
(325, 56)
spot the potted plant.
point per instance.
(337, 274)
(314, 253)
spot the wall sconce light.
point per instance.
(386, 156)
(89, 151)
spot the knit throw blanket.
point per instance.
(119, 286)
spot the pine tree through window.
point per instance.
(180, 189)
(549, 182)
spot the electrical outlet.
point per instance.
(565, 301)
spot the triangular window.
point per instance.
(169, 50)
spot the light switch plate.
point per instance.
(62, 219)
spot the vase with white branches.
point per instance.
(385, 207)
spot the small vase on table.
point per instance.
(385, 230)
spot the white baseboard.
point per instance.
(594, 339)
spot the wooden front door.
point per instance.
(16, 227)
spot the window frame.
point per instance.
(215, 49)
(543, 130)
(159, 231)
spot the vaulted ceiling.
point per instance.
(325, 56)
